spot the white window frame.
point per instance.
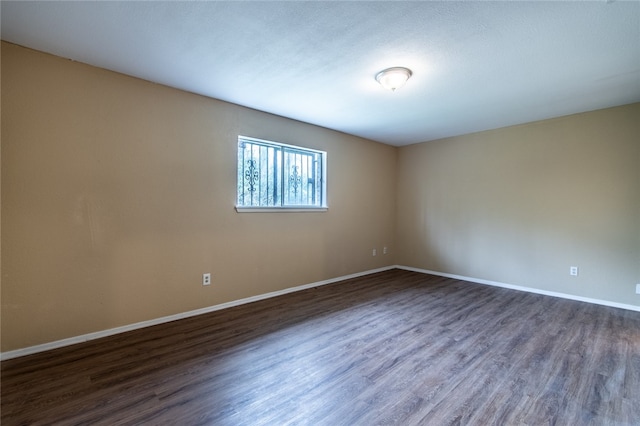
(282, 207)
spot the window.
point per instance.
(272, 176)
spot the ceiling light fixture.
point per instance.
(393, 78)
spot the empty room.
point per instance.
(320, 213)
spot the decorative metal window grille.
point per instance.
(271, 174)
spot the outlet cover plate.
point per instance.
(637, 288)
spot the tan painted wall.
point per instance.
(522, 204)
(117, 194)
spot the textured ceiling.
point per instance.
(476, 65)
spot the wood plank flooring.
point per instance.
(393, 348)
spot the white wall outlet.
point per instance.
(637, 288)
(206, 279)
(385, 250)
(573, 270)
(374, 252)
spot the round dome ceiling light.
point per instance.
(393, 78)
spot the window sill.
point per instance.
(281, 209)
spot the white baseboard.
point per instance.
(98, 334)
(521, 288)
(104, 333)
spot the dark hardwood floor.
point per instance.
(395, 347)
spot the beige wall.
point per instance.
(522, 204)
(117, 194)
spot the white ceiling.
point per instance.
(476, 65)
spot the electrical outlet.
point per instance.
(206, 279)
(573, 270)
(385, 250)
(637, 288)
(374, 252)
